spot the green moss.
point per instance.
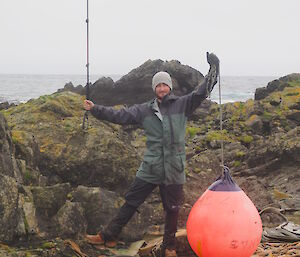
(197, 170)
(199, 148)
(218, 135)
(18, 109)
(192, 131)
(292, 94)
(18, 136)
(295, 83)
(26, 225)
(238, 113)
(279, 112)
(42, 99)
(69, 196)
(267, 116)
(186, 171)
(55, 107)
(48, 245)
(28, 178)
(237, 163)
(240, 154)
(246, 139)
(69, 127)
(15, 140)
(252, 118)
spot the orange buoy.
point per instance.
(224, 222)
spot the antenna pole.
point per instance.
(87, 46)
(85, 123)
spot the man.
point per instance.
(164, 121)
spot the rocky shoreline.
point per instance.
(58, 182)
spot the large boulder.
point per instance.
(135, 87)
(275, 85)
(48, 134)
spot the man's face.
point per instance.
(161, 90)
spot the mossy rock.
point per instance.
(48, 132)
(219, 135)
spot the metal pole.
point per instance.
(85, 123)
(87, 48)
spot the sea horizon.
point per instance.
(19, 88)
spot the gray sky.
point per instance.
(251, 37)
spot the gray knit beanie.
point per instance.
(161, 77)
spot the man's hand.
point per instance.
(213, 73)
(212, 59)
(88, 105)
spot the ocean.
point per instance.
(19, 88)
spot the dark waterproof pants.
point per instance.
(171, 196)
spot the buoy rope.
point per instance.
(85, 123)
(221, 124)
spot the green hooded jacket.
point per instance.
(164, 126)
